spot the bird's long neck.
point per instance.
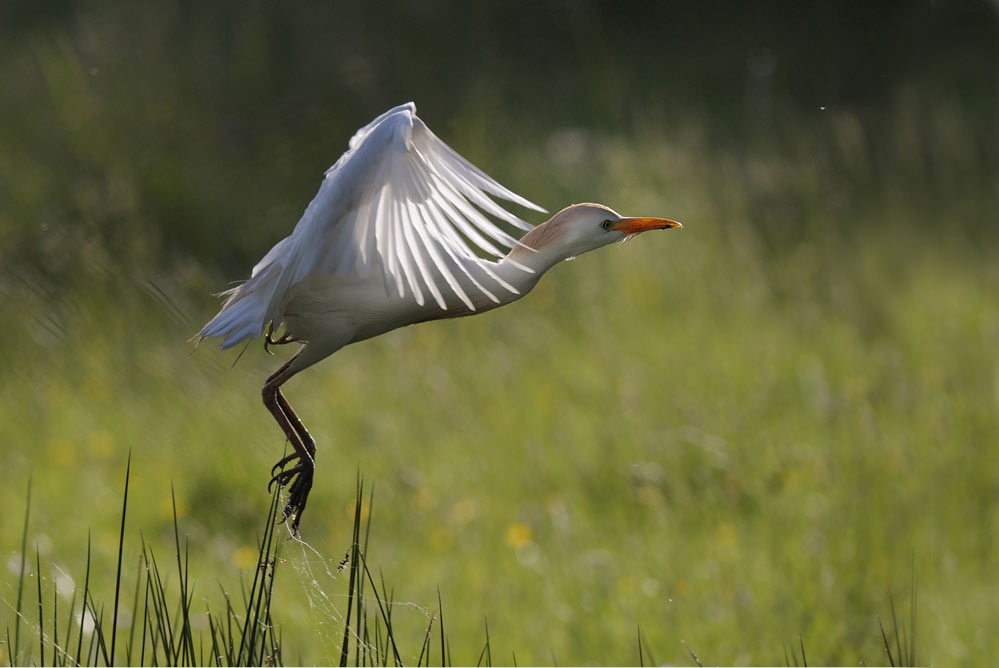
(526, 263)
(522, 276)
(537, 250)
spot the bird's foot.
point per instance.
(300, 477)
(269, 339)
(298, 495)
(276, 470)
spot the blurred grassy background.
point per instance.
(757, 427)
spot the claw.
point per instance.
(283, 477)
(298, 495)
(284, 460)
(269, 339)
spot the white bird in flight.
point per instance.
(390, 240)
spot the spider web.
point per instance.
(317, 576)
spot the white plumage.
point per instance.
(401, 204)
(393, 238)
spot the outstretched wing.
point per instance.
(401, 203)
(400, 206)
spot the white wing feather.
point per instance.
(400, 203)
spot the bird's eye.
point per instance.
(607, 224)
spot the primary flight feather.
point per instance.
(394, 237)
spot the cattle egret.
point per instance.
(393, 238)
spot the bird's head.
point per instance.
(581, 228)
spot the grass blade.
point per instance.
(424, 649)
(185, 648)
(230, 613)
(248, 632)
(269, 649)
(884, 639)
(20, 582)
(362, 612)
(145, 607)
(83, 611)
(91, 654)
(41, 627)
(121, 544)
(440, 608)
(266, 561)
(135, 613)
(161, 616)
(648, 652)
(69, 629)
(912, 624)
(694, 656)
(487, 652)
(355, 556)
(214, 632)
(55, 622)
(894, 623)
(99, 630)
(386, 616)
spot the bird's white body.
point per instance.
(330, 311)
(393, 238)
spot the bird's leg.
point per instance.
(303, 444)
(303, 434)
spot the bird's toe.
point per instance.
(298, 494)
(283, 462)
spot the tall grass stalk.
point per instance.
(121, 543)
(20, 582)
(904, 639)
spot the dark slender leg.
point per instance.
(303, 434)
(303, 444)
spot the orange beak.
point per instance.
(636, 225)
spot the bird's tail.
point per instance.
(247, 309)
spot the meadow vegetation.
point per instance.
(748, 432)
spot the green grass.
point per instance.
(158, 632)
(741, 437)
(161, 630)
